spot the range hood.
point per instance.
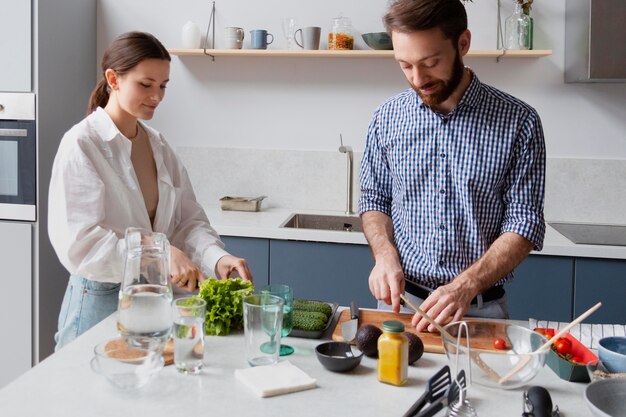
(595, 35)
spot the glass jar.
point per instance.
(340, 37)
(517, 29)
(393, 354)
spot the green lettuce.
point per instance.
(224, 304)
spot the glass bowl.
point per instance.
(487, 365)
(125, 366)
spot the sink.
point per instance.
(324, 222)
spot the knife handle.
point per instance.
(354, 310)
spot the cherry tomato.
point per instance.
(499, 344)
(578, 360)
(563, 346)
(549, 333)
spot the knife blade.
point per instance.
(349, 327)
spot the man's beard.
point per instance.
(447, 87)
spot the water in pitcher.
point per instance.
(145, 314)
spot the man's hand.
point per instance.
(450, 300)
(229, 265)
(184, 273)
(386, 282)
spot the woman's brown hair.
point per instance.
(126, 51)
(412, 15)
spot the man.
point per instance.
(452, 177)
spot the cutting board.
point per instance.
(432, 341)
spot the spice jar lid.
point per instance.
(393, 326)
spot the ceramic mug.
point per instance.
(260, 39)
(309, 36)
(233, 37)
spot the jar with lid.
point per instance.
(340, 37)
(393, 354)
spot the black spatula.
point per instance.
(437, 386)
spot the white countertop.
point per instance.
(266, 224)
(64, 385)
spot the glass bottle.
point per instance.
(393, 354)
(144, 314)
(517, 29)
(340, 37)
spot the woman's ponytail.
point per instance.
(99, 96)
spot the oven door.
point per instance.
(18, 170)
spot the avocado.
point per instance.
(416, 347)
(367, 340)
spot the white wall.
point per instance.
(286, 103)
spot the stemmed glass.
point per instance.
(286, 293)
(289, 27)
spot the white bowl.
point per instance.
(607, 397)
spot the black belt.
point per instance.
(493, 293)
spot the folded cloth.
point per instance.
(588, 334)
(279, 378)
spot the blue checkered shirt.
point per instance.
(452, 184)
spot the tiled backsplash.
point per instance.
(577, 190)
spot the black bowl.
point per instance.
(338, 356)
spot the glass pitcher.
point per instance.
(144, 308)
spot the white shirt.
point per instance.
(94, 196)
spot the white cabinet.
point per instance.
(15, 45)
(15, 300)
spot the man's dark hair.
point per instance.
(412, 15)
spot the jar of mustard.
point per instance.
(393, 354)
(340, 36)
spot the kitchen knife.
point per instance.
(349, 328)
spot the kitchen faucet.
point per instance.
(348, 151)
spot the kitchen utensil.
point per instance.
(349, 328)
(612, 353)
(378, 40)
(338, 356)
(486, 365)
(451, 395)
(526, 359)
(607, 398)
(233, 37)
(437, 386)
(538, 403)
(241, 203)
(309, 37)
(144, 308)
(260, 38)
(460, 406)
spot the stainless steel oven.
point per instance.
(18, 157)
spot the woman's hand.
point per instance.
(229, 265)
(184, 273)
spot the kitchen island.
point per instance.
(64, 385)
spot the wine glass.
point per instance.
(289, 26)
(286, 293)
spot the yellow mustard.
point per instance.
(393, 354)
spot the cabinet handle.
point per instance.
(13, 132)
(1, 107)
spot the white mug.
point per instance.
(310, 37)
(233, 37)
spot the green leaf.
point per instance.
(224, 299)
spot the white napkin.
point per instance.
(276, 379)
(588, 334)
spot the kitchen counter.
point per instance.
(266, 224)
(64, 385)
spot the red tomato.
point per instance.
(563, 346)
(549, 333)
(193, 332)
(499, 344)
(578, 360)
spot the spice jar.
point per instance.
(340, 37)
(393, 354)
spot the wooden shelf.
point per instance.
(285, 53)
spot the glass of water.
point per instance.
(189, 314)
(286, 293)
(263, 320)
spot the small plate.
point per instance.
(310, 334)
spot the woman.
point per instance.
(111, 172)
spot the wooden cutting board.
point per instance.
(432, 341)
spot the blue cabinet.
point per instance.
(255, 251)
(542, 288)
(601, 280)
(323, 271)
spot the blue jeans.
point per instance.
(85, 304)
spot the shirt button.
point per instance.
(442, 227)
(442, 191)
(443, 155)
(441, 263)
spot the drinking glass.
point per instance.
(189, 314)
(289, 26)
(286, 293)
(263, 320)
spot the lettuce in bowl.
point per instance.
(224, 304)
